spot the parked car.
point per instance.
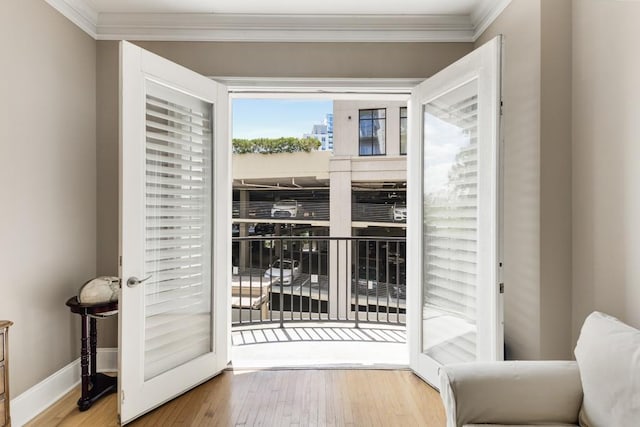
(290, 269)
(285, 209)
(367, 278)
(264, 229)
(399, 212)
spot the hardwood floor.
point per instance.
(278, 398)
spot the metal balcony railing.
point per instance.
(277, 280)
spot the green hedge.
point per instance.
(275, 145)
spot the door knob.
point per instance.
(134, 281)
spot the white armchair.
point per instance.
(520, 393)
(600, 389)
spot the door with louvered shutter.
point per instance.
(454, 180)
(174, 234)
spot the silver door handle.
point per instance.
(134, 281)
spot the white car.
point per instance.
(399, 213)
(290, 269)
(285, 209)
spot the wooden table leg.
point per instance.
(84, 403)
(94, 347)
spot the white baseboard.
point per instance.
(32, 402)
(107, 359)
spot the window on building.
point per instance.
(373, 132)
(403, 130)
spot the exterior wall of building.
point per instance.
(346, 125)
(313, 165)
(323, 132)
(329, 121)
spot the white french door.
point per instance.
(174, 230)
(454, 224)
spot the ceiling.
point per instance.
(283, 20)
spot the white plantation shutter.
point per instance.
(450, 224)
(454, 195)
(178, 230)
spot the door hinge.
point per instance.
(501, 109)
(502, 288)
(120, 260)
(122, 396)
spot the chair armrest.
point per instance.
(511, 392)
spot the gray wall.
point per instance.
(357, 60)
(555, 180)
(48, 192)
(537, 175)
(519, 23)
(606, 160)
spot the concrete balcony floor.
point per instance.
(320, 345)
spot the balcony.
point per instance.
(353, 280)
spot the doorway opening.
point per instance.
(176, 220)
(319, 229)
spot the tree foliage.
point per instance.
(274, 145)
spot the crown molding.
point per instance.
(332, 87)
(80, 13)
(279, 28)
(285, 28)
(484, 16)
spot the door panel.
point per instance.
(454, 179)
(173, 324)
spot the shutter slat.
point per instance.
(159, 191)
(169, 285)
(191, 146)
(197, 123)
(198, 137)
(170, 159)
(180, 243)
(192, 155)
(162, 104)
(179, 182)
(176, 172)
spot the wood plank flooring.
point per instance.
(277, 398)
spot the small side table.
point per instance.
(5, 416)
(94, 385)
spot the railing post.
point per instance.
(282, 284)
(357, 279)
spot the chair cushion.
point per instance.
(608, 355)
(520, 425)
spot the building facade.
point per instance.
(323, 132)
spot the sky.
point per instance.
(273, 118)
